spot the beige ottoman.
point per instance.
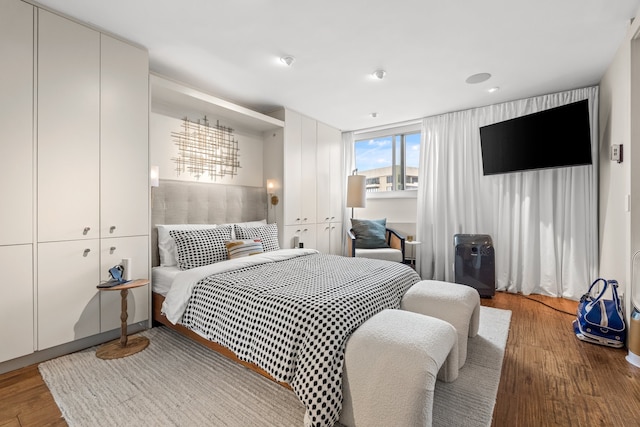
(451, 302)
(391, 364)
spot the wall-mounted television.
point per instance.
(552, 138)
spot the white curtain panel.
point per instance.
(543, 223)
(349, 164)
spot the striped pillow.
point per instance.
(242, 248)
(268, 235)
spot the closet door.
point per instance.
(68, 301)
(124, 140)
(305, 234)
(16, 121)
(111, 253)
(329, 238)
(337, 234)
(292, 169)
(323, 238)
(330, 174)
(308, 137)
(68, 129)
(16, 303)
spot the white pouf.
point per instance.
(452, 302)
(391, 364)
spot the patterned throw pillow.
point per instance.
(167, 246)
(268, 234)
(242, 248)
(370, 234)
(201, 247)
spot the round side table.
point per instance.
(125, 346)
(412, 258)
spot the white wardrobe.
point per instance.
(80, 189)
(16, 180)
(305, 158)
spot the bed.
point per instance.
(285, 313)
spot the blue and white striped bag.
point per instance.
(600, 320)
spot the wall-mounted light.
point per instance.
(154, 176)
(271, 189)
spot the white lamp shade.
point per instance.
(356, 191)
(154, 176)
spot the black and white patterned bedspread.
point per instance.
(293, 317)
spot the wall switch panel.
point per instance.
(616, 153)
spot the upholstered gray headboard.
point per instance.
(182, 202)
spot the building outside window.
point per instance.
(390, 162)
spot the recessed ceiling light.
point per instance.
(478, 78)
(379, 74)
(493, 89)
(287, 60)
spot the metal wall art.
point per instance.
(206, 149)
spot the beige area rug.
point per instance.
(177, 382)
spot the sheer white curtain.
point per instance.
(543, 223)
(349, 164)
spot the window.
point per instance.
(390, 162)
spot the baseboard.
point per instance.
(71, 347)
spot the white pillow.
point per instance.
(167, 246)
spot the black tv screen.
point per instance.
(552, 138)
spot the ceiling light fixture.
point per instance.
(478, 78)
(287, 60)
(379, 74)
(374, 115)
(493, 89)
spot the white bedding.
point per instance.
(162, 277)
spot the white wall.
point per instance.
(163, 149)
(399, 210)
(615, 221)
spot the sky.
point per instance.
(376, 153)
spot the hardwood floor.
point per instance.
(25, 400)
(549, 378)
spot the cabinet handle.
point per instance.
(326, 219)
(326, 228)
(297, 219)
(112, 229)
(305, 219)
(112, 249)
(86, 230)
(86, 252)
(305, 230)
(333, 217)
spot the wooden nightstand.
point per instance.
(124, 346)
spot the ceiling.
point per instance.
(428, 48)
